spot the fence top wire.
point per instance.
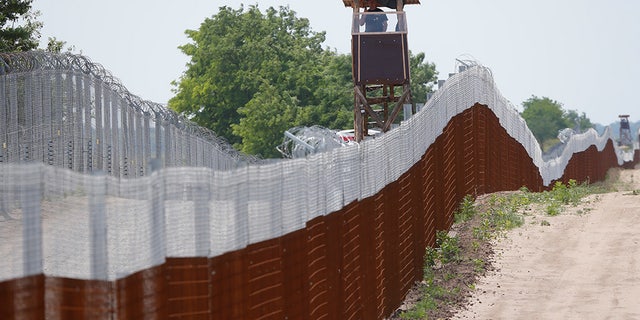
(32, 61)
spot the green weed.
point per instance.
(502, 214)
(478, 265)
(562, 195)
(466, 210)
(449, 247)
(553, 209)
(430, 292)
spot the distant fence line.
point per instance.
(66, 111)
(336, 235)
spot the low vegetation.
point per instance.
(463, 254)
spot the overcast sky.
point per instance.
(584, 54)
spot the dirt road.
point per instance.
(584, 265)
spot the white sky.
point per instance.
(582, 53)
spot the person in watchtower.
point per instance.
(374, 22)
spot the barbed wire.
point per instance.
(31, 61)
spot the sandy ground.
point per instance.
(584, 265)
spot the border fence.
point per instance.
(66, 111)
(93, 232)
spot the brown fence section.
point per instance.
(357, 263)
(22, 298)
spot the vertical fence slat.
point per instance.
(28, 138)
(138, 147)
(98, 110)
(78, 116)
(87, 132)
(4, 118)
(31, 190)
(146, 155)
(116, 132)
(69, 103)
(57, 116)
(13, 124)
(103, 101)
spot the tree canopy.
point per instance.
(253, 75)
(19, 29)
(57, 46)
(577, 120)
(545, 117)
(236, 54)
(422, 76)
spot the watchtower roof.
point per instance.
(385, 3)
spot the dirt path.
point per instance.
(584, 265)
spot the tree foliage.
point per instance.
(57, 46)
(235, 53)
(577, 121)
(253, 75)
(270, 113)
(545, 117)
(19, 29)
(423, 75)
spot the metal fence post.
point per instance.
(30, 186)
(98, 225)
(201, 198)
(157, 189)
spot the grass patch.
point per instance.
(562, 195)
(502, 213)
(458, 258)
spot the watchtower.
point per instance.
(380, 57)
(625, 131)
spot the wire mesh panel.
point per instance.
(294, 199)
(187, 212)
(11, 227)
(66, 231)
(66, 111)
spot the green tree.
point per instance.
(333, 103)
(269, 113)
(423, 75)
(577, 121)
(235, 53)
(544, 117)
(57, 46)
(19, 29)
